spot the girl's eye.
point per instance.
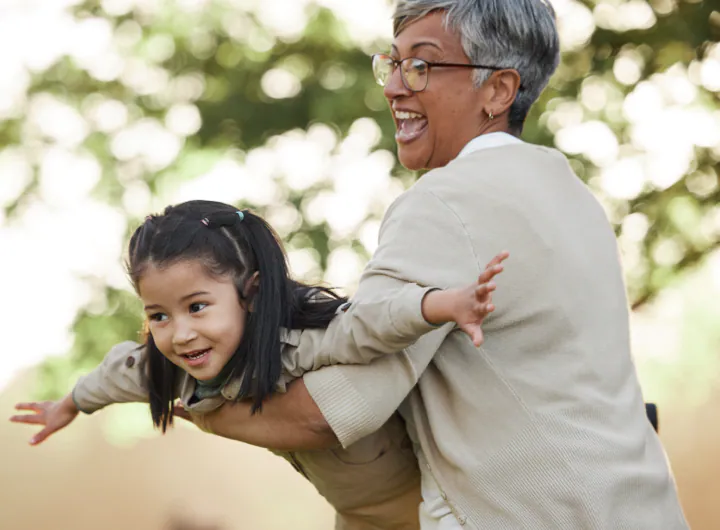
(197, 306)
(158, 317)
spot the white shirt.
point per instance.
(488, 141)
(435, 511)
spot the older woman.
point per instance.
(544, 426)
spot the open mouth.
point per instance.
(410, 126)
(196, 357)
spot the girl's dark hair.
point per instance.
(228, 242)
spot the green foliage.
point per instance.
(214, 60)
(116, 320)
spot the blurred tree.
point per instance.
(171, 90)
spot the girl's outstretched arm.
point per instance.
(396, 319)
(120, 378)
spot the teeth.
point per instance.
(197, 355)
(400, 115)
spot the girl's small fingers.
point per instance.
(497, 269)
(34, 419)
(483, 309)
(499, 258)
(478, 338)
(37, 407)
(41, 436)
(489, 274)
(482, 291)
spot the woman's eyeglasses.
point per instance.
(413, 72)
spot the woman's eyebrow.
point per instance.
(418, 45)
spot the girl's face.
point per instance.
(197, 320)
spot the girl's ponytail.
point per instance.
(270, 308)
(239, 244)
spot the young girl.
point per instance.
(225, 322)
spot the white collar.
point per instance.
(488, 141)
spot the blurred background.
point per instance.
(112, 109)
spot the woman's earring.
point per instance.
(491, 115)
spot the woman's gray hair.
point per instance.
(514, 34)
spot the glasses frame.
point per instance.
(430, 65)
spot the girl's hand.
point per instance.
(474, 302)
(467, 306)
(53, 415)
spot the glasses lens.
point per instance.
(415, 73)
(382, 66)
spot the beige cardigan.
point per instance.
(544, 426)
(374, 483)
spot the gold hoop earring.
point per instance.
(490, 115)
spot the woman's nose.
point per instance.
(394, 87)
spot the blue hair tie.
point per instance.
(240, 215)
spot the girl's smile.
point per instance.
(197, 357)
(196, 319)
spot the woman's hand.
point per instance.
(53, 415)
(467, 306)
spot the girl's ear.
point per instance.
(250, 289)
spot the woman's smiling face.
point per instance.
(435, 124)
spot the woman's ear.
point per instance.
(250, 289)
(502, 88)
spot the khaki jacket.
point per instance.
(543, 427)
(374, 483)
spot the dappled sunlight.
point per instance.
(279, 83)
(624, 16)
(365, 22)
(345, 181)
(131, 105)
(575, 23)
(148, 141)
